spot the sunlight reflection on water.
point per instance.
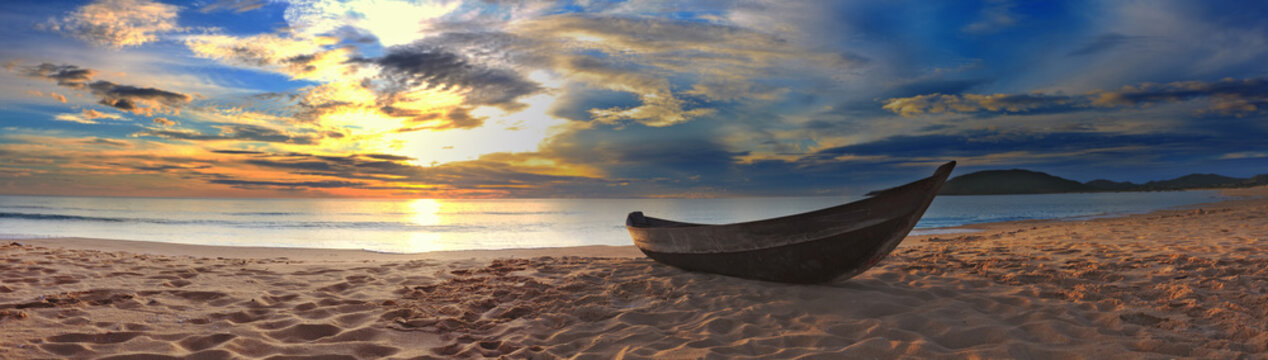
(408, 226)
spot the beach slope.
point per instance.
(1177, 283)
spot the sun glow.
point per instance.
(426, 213)
(521, 131)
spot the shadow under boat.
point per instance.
(839, 242)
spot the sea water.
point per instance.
(409, 226)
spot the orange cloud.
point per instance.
(117, 23)
(87, 116)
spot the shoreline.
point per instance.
(1234, 197)
(324, 254)
(315, 254)
(1171, 283)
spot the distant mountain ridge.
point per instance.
(1019, 181)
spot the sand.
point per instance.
(1178, 283)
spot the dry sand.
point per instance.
(1181, 283)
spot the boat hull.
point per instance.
(824, 245)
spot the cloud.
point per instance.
(117, 23)
(1226, 97)
(70, 76)
(288, 184)
(392, 22)
(645, 153)
(257, 50)
(431, 67)
(1244, 155)
(94, 114)
(237, 6)
(652, 58)
(996, 16)
(671, 44)
(493, 174)
(442, 80)
(454, 118)
(1104, 42)
(59, 97)
(87, 116)
(238, 152)
(235, 132)
(164, 121)
(106, 142)
(967, 103)
(140, 100)
(169, 168)
(657, 107)
(723, 89)
(1025, 146)
(299, 56)
(73, 118)
(388, 157)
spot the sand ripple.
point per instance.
(1165, 285)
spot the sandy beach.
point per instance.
(1175, 283)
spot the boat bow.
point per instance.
(836, 242)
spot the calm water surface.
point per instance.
(408, 226)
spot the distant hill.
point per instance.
(1015, 181)
(1019, 181)
(1193, 181)
(1107, 185)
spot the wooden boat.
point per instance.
(818, 246)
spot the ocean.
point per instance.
(411, 226)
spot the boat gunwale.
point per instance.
(880, 194)
(750, 250)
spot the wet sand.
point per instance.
(1177, 283)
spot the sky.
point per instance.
(640, 98)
